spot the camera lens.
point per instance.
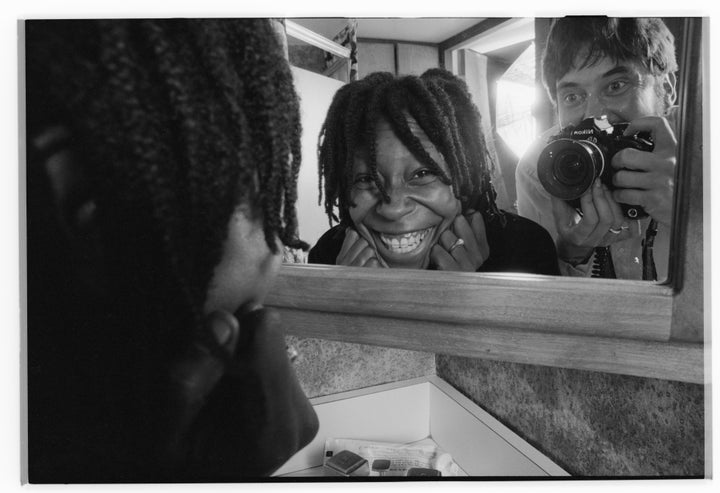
(567, 168)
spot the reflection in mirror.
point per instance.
(407, 173)
(498, 59)
(608, 205)
(332, 58)
(394, 45)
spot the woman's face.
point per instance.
(247, 268)
(421, 206)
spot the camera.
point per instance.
(573, 159)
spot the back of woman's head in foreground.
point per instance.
(443, 108)
(176, 123)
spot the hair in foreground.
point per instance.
(178, 122)
(442, 107)
(646, 41)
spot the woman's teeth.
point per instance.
(404, 243)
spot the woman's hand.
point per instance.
(467, 255)
(234, 406)
(190, 379)
(356, 251)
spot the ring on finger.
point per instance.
(615, 231)
(458, 243)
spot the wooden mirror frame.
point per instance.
(626, 327)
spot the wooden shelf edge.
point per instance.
(626, 309)
(651, 359)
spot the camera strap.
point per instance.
(603, 266)
(649, 271)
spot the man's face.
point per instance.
(623, 91)
(403, 231)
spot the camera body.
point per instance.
(572, 160)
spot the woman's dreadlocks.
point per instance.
(179, 121)
(442, 106)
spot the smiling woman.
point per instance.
(405, 164)
(403, 230)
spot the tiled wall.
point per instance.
(591, 423)
(328, 367)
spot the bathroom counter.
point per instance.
(425, 408)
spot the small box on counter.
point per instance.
(348, 463)
(423, 471)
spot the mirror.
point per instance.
(499, 58)
(653, 330)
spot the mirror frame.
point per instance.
(636, 328)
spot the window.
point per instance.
(515, 99)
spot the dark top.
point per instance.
(520, 246)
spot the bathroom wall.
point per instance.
(316, 92)
(396, 57)
(590, 423)
(328, 367)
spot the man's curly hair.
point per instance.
(440, 103)
(178, 122)
(644, 40)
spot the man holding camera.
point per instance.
(611, 70)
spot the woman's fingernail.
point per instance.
(249, 307)
(222, 326)
(221, 332)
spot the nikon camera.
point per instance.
(570, 162)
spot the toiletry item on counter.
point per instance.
(423, 471)
(347, 463)
(423, 458)
(381, 466)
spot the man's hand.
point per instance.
(467, 255)
(602, 223)
(648, 178)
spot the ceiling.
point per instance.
(423, 30)
(508, 54)
(503, 45)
